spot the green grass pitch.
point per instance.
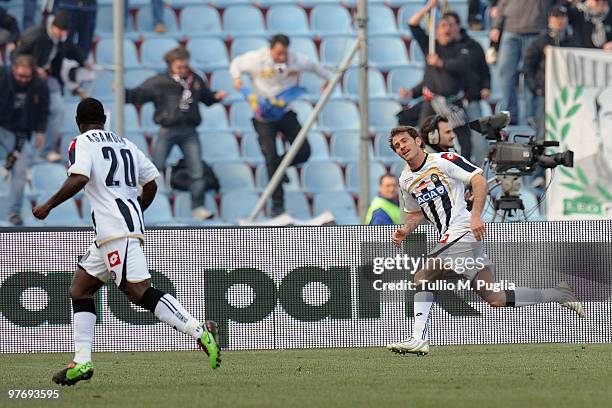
(528, 375)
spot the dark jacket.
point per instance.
(9, 23)
(36, 105)
(448, 80)
(534, 63)
(583, 28)
(35, 41)
(479, 76)
(165, 93)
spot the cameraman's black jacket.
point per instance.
(36, 104)
(9, 23)
(448, 80)
(534, 62)
(478, 76)
(165, 93)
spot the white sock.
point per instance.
(529, 296)
(84, 326)
(171, 312)
(423, 301)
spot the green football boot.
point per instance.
(208, 343)
(74, 373)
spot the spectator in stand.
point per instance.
(157, 8)
(478, 84)
(29, 13)
(82, 22)
(48, 47)
(475, 15)
(384, 209)
(592, 24)
(9, 30)
(522, 21)
(24, 108)
(176, 94)
(445, 76)
(274, 70)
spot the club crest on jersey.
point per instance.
(435, 178)
(113, 258)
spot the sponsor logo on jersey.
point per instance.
(113, 258)
(424, 197)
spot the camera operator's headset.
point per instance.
(433, 136)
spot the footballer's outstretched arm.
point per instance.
(148, 194)
(73, 184)
(413, 219)
(479, 190)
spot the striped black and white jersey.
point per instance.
(116, 168)
(437, 189)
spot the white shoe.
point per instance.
(201, 213)
(569, 299)
(410, 345)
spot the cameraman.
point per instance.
(24, 108)
(438, 135)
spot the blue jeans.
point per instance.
(157, 6)
(29, 13)
(82, 25)
(187, 139)
(511, 52)
(18, 171)
(56, 118)
(480, 146)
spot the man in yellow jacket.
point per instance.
(384, 209)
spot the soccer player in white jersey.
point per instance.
(432, 186)
(110, 169)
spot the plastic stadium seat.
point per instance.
(383, 151)
(382, 114)
(159, 212)
(221, 80)
(214, 118)
(146, 118)
(130, 116)
(381, 20)
(153, 50)
(416, 54)
(330, 19)
(405, 12)
(240, 117)
(340, 203)
(345, 147)
(461, 8)
(261, 174)
(64, 215)
(334, 49)
(144, 23)
(201, 20)
(105, 56)
(174, 156)
(287, 19)
(376, 83)
(352, 177)
(322, 176)
(219, 147)
(306, 46)
(303, 109)
(397, 167)
(339, 115)
(297, 205)
(496, 92)
(387, 52)
(238, 204)
(4, 191)
(243, 20)
(318, 147)
(234, 176)
(104, 24)
(103, 86)
(313, 83)
(182, 206)
(208, 54)
(69, 124)
(134, 77)
(243, 45)
(251, 151)
(139, 140)
(404, 77)
(47, 177)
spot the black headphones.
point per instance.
(433, 136)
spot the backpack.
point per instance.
(180, 179)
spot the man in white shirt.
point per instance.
(111, 169)
(274, 70)
(433, 186)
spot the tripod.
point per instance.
(509, 204)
